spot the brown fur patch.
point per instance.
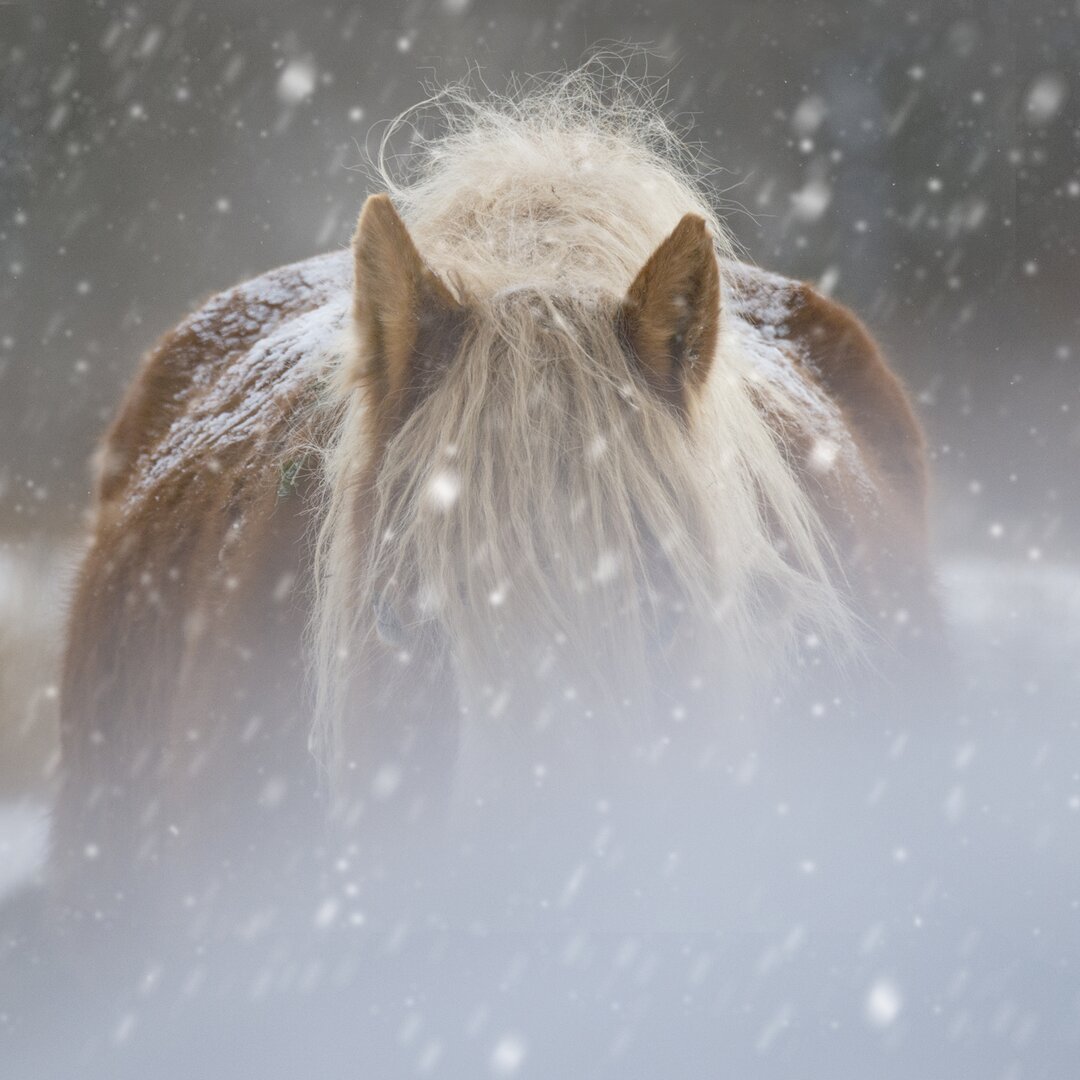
(849, 365)
(882, 535)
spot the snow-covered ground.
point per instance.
(1015, 630)
(902, 907)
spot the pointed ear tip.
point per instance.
(704, 234)
(693, 233)
(692, 222)
(377, 203)
(377, 210)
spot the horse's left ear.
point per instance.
(671, 315)
(407, 318)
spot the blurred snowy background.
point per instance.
(918, 160)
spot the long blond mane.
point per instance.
(538, 207)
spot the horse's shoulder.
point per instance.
(226, 378)
(832, 347)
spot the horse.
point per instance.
(537, 483)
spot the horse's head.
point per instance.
(532, 544)
(529, 516)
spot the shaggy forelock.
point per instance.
(567, 182)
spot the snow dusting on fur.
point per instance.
(759, 305)
(273, 336)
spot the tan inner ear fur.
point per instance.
(405, 315)
(670, 317)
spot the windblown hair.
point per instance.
(539, 477)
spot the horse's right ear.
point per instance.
(407, 319)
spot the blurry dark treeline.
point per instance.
(920, 160)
